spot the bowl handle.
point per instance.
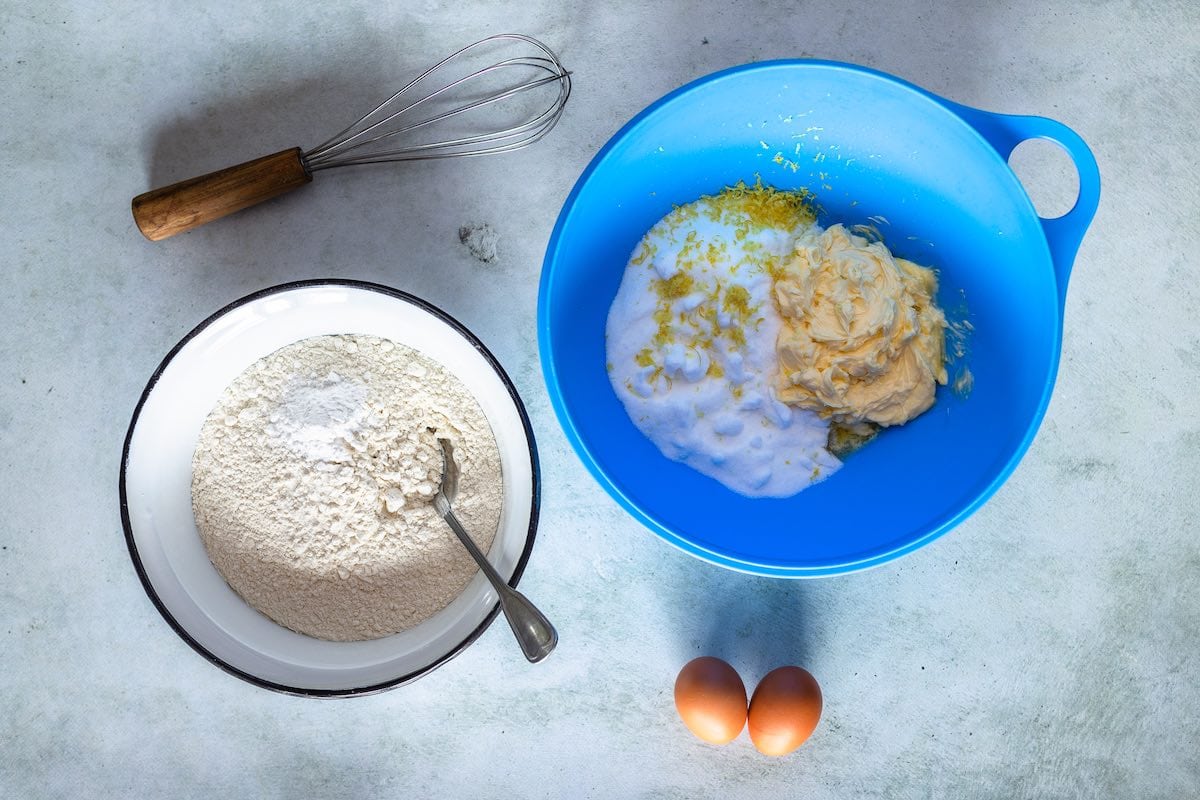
(1064, 234)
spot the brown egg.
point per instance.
(711, 699)
(784, 710)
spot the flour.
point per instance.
(313, 479)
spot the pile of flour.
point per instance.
(313, 480)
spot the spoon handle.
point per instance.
(534, 632)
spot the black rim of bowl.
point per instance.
(533, 512)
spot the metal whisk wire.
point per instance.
(187, 204)
(360, 142)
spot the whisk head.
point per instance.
(500, 106)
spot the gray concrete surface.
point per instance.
(1046, 648)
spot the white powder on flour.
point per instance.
(313, 480)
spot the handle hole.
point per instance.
(1048, 175)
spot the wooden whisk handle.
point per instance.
(189, 204)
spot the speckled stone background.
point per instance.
(1046, 648)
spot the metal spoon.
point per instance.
(534, 632)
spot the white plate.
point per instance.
(156, 501)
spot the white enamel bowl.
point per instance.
(156, 475)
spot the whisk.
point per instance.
(400, 128)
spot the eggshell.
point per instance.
(711, 699)
(784, 710)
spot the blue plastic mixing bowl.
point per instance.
(932, 176)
